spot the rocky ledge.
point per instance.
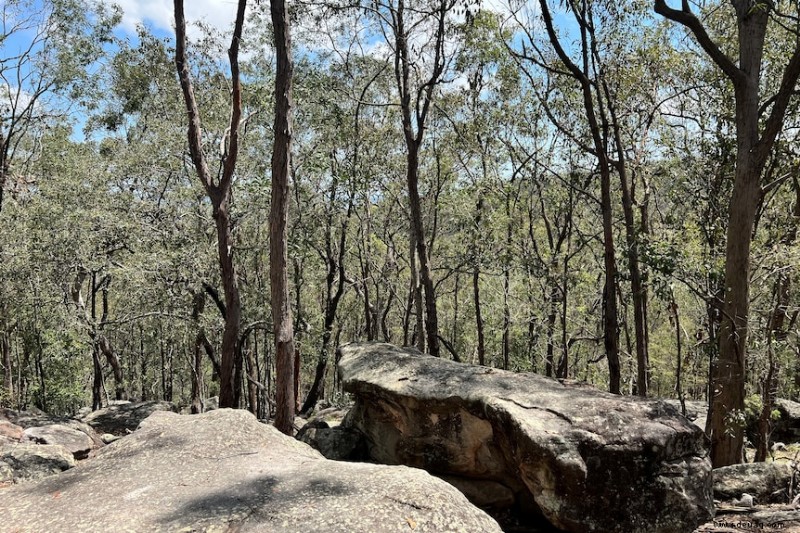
(584, 459)
(225, 471)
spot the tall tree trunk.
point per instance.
(197, 377)
(43, 401)
(111, 356)
(507, 289)
(552, 303)
(229, 386)
(97, 379)
(476, 294)
(600, 145)
(610, 313)
(456, 302)
(278, 217)
(753, 146)
(198, 304)
(252, 373)
(564, 308)
(769, 393)
(219, 193)
(416, 295)
(162, 357)
(431, 330)
(638, 290)
(335, 275)
(777, 331)
(8, 368)
(419, 108)
(143, 362)
(675, 315)
(729, 372)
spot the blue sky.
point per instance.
(158, 15)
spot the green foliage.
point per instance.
(507, 135)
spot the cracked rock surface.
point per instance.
(585, 459)
(225, 471)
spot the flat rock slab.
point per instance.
(225, 471)
(588, 460)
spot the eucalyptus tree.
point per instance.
(491, 116)
(175, 264)
(45, 49)
(583, 71)
(759, 120)
(279, 212)
(219, 190)
(338, 138)
(418, 37)
(587, 62)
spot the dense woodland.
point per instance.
(606, 192)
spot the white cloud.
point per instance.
(158, 14)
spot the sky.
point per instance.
(158, 14)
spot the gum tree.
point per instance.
(759, 120)
(218, 190)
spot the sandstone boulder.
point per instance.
(41, 428)
(332, 416)
(10, 432)
(27, 462)
(786, 428)
(696, 411)
(586, 460)
(766, 482)
(225, 471)
(31, 418)
(76, 442)
(122, 418)
(335, 443)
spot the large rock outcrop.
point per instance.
(225, 471)
(585, 459)
(35, 419)
(696, 411)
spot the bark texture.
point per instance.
(278, 219)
